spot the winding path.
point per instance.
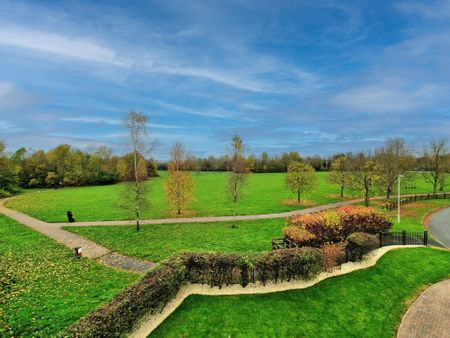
(429, 316)
(439, 227)
(71, 240)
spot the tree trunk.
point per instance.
(388, 194)
(136, 190)
(298, 199)
(342, 191)
(366, 196)
(179, 211)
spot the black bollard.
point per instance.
(70, 217)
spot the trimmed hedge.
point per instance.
(359, 244)
(161, 284)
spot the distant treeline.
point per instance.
(66, 166)
(257, 164)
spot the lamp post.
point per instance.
(398, 199)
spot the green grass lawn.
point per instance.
(156, 242)
(365, 303)
(412, 214)
(43, 287)
(265, 193)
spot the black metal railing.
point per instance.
(391, 205)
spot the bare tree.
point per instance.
(436, 163)
(239, 172)
(136, 193)
(179, 186)
(391, 160)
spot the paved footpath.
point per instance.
(71, 240)
(429, 316)
(217, 218)
(439, 227)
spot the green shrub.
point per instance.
(359, 244)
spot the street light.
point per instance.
(398, 199)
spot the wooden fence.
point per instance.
(392, 205)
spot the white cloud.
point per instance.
(59, 44)
(435, 10)
(385, 98)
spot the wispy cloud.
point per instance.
(112, 121)
(59, 44)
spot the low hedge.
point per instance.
(359, 244)
(161, 284)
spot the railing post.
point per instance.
(403, 237)
(425, 238)
(380, 236)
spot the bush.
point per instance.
(359, 244)
(333, 255)
(300, 236)
(161, 284)
(333, 226)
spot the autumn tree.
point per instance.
(239, 172)
(391, 160)
(179, 186)
(339, 173)
(363, 174)
(8, 176)
(436, 163)
(135, 194)
(300, 178)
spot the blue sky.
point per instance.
(318, 77)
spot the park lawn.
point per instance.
(264, 193)
(412, 214)
(43, 287)
(364, 303)
(156, 242)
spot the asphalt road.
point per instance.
(439, 226)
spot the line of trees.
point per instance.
(264, 163)
(66, 166)
(363, 172)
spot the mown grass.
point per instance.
(365, 303)
(411, 214)
(156, 242)
(264, 193)
(43, 287)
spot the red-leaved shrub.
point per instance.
(300, 236)
(333, 255)
(333, 226)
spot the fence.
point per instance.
(392, 205)
(386, 239)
